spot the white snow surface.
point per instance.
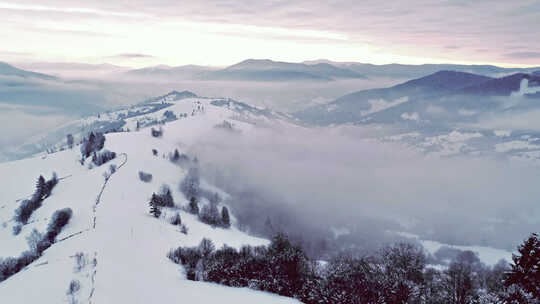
(126, 250)
(488, 255)
(377, 105)
(411, 116)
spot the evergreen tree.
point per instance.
(525, 272)
(210, 214)
(49, 185)
(225, 219)
(176, 220)
(91, 141)
(183, 229)
(154, 206)
(69, 140)
(167, 198)
(193, 206)
(206, 247)
(41, 188)
(176, 155)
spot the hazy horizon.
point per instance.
(220, 33)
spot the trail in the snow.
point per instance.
(98, 200)
(93, 278)
(71, 235)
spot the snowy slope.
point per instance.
(124, 247)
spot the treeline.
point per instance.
(38, 243)
(27, 207)
(397, 274)
(190, 187)
(92, 146)
(162, 199)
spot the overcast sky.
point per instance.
(222, 32)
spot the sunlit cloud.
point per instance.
(83, 10)
(192, 32)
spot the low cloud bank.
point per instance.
(309, 180)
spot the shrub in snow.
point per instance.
(25, 259)
(80, 261)
(145, 177)
(99, 158)
(17, 229)
(179, 158)
(184, 229)
(33, 240)
(169, 116)
(154, 152)
(227, 126)
(7, 267)
(73, 288)
(189, 257)
(59, 219)
(176, 220)
(27, 207)
(156, 132)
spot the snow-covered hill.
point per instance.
(112, 246)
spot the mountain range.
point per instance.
(395, 70)
(455, 95)
(264, 70)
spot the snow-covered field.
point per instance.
(488, 255)
(125, 250)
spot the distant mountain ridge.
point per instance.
(456, 94)
(445, 80)
(9, 70)
(502, 86)
(395, 70)
(179, 72)
(268, 70)
(317, 70)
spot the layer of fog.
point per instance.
(38, 106)
(344, 177)
(284, 96)
(522, 120)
